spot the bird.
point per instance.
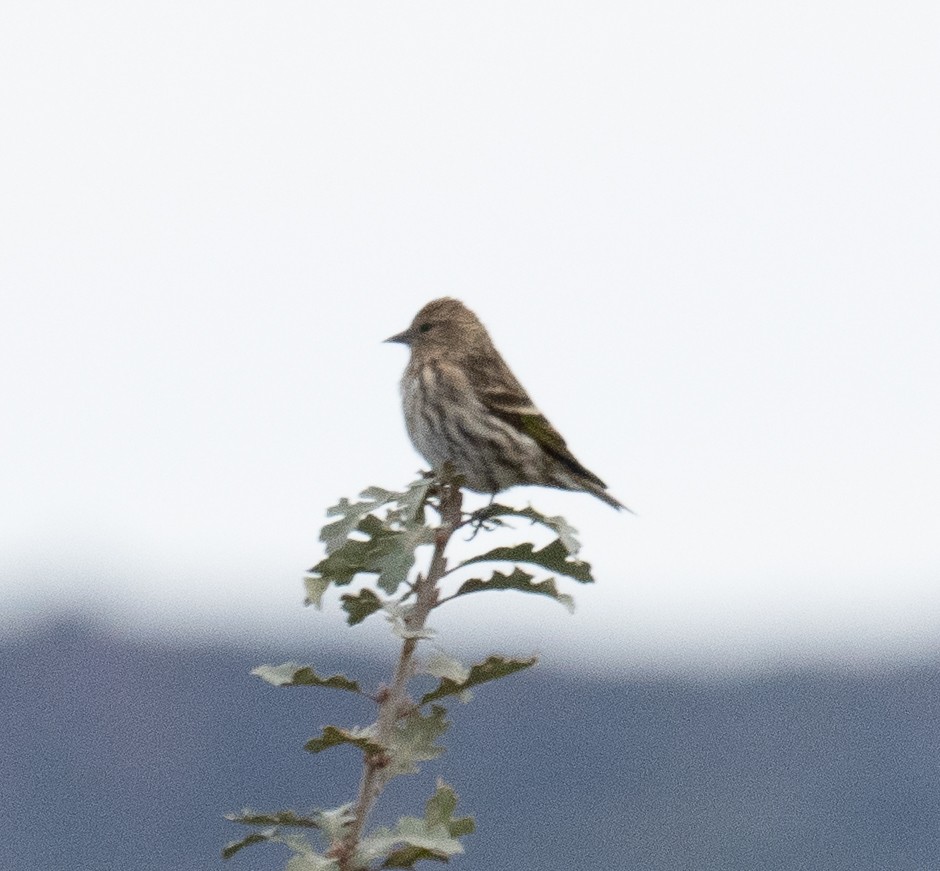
(463, 406)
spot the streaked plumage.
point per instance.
(462, 404)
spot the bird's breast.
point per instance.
(422, 420)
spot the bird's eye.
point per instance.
(424, 328)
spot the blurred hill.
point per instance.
(119, 754)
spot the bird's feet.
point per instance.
(483, 518)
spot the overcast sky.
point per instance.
(706, 237)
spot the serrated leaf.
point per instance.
(412, 500)
(290, 674)
(280, 818)
(331, 736)
(566, 533)
(439, 810)
(517, 580)
(434, 837)
(315, 588)
(413, 740)
(341, 566)
(360, 605)
(435, 842)
(553, 556)
(305, 857)
(387, 552)
(440, 807)
(335, 534)
(395, 555)
(355, 555)
(492, 668)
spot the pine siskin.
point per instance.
(463, 405)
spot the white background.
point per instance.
(706, 238)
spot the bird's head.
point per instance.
(444, 327)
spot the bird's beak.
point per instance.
(403, 338)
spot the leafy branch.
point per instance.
(380, 535)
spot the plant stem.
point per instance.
(394, 702)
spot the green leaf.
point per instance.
(412, 500)
(389, 544)
(424, 841)
(395, 555)
(442, 666)
(233, 847)
(280, 818)
(379, 495)
(517, 580)
(405, 857)
(331, 736)
(305, 858)
(290, 674)
(388, 552)
(360, 605)
(440, 808)
(310, 861)
(553, 556)
(462, 826)
(566, 533)
(334, 535)
(413, 740)
(355, 555)
(492, 668)
(315, 588)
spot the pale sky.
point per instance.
(706, 237)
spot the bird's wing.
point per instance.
(507, 399)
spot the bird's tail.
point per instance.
(597, 488)
(600, 491)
